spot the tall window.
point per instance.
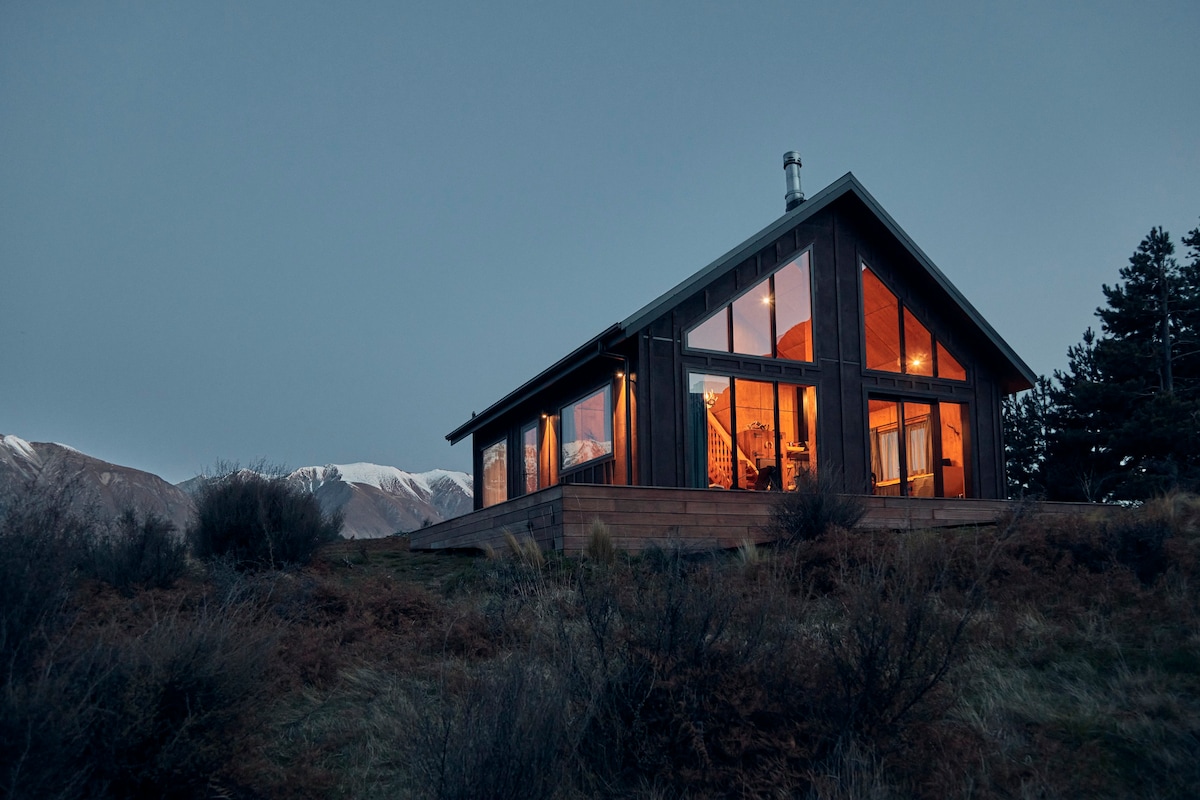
(896, 341)
(918, 449)
(495, 473)
(773, 319)
(587, 431)
(529, 453)
(747, 434)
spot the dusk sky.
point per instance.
(323, 233)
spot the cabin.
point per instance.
(827, 342)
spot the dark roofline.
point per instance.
(847, 184)
(659, 306)
(591, 349)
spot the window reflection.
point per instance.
(587, 428)
(529, 447)
(495, 473)
(793, 311)
(712, 334)
(771, 320)
(752, 322)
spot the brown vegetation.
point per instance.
(1017, 660)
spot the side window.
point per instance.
(587, 431)
(495, 473)
(529, 455)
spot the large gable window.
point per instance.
(896, 341)
(587, 430)
(773, 319)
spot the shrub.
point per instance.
(258, 522)
(139, 552)
(152, 714)
(813, 508)
(42, 541)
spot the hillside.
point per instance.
(108, 488)
(1034, 658)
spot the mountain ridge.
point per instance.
(375, 500)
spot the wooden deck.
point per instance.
(637, 517)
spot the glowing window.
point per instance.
(917, 352)
(948, 366)
(918, 347)
(495, 473)
(881, 324)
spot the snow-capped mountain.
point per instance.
(375, 500)
(107, 488)
(378, 500)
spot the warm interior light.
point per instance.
(916, 362)
(620, 374)
(710, 398)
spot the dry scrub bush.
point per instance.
(259, 522)
(813, 508)
(115, 712)
(43, 540)
(139, 552)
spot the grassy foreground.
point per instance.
(1018, 660)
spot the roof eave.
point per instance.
(585, 353)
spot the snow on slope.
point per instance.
(19, 447)
(378, 500)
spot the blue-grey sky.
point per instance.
(319, 232)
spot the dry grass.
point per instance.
(1018, 661)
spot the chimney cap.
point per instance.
(791, 157)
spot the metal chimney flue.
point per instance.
(791, 165)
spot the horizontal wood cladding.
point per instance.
(561, 518)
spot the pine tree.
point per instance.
(1026, 432)
(1126, 413)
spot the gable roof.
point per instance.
(1019, 375)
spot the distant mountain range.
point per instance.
(375, 500)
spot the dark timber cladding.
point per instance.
(828, 342)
